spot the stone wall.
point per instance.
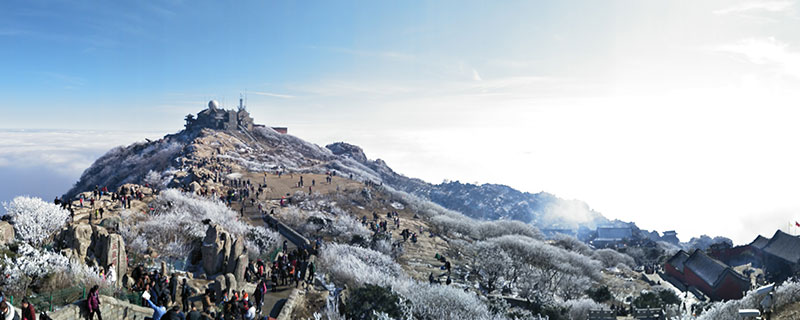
(110, 308)
(295, 298)
(290, 234)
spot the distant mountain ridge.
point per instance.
(486, 201)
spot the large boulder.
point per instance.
(241, 266)
(111, 223)
(195, 187)
(219, 286)
(110, 252)
(236, 250)
(215, 250)
(79, 238)
(6, 233)
(230, 282)
(94, 244)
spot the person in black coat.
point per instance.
(173, 287)
(186, 292)
(194, 314)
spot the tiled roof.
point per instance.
(678, 260)
(710, 270)
(759, 242)
(784, 246)
(614, 233)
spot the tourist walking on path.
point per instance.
(93, 304)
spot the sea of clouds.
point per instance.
(46, 163)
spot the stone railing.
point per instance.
(110, 308)
(287, 232)
(295, 298)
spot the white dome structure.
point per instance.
(213, 105)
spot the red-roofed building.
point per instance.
(714, 278)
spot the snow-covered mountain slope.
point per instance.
(263, 149)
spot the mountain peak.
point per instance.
(348, 150)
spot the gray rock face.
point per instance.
(230, 282)
(220, 251)
(348, 150)
(79, 238)
(241, 266)
(219, 286)
(110, 251)
(6, 233)
(236, 251)
(84, 242)
(214, 249)
(111, 223)
(195, 187)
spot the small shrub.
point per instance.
(365, 301)
(601, 294)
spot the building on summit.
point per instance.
(779, 256)
(214, 117)
(612, 237)
(671, 236)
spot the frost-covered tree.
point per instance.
(493, 229)
(314, 222)
(611, 258)
(156, 180)
(35, 220)
(31, 264)
(433, 301)
(357, 266)
(704, 242)
(579, 308)
(540, 267)
(354, 265)
(177, 225)
(490, 263)
(571, 243)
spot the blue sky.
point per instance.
(643, 109)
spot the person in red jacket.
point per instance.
(93, 302)
(28, 313)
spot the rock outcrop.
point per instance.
(94, 245)
(6, 233)
(219, 286)
(241, 267)
(110, 251)
(230, 282)
(225, 283)
(221, 253)
(76, 240)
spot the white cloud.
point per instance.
(769, 52)
(270, 94)
(66, 152)
(766, 6)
